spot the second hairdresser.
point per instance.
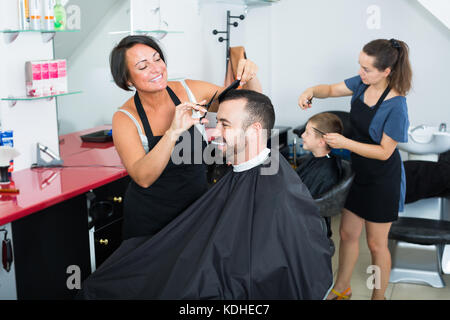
(379, 120)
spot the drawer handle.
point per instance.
(104, 241)
(117, 199)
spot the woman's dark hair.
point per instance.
(117, 58)
(393, 54)
(258, 106)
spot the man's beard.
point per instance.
(236, 152)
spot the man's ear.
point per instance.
(257, 126)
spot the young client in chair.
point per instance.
(320, 171)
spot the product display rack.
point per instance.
(13, 100)
(248, 4)
(47, 35)
(17, 105)
(146, 32)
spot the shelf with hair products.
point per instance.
(13, 100)
(47, 35)
(247, 3)
(157, 34)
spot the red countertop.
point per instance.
(86, 166)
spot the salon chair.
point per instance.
(331, 202)
(420, 240)
(416, 246)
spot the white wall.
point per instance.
(439, 8)
(296, 44)
(31, 121)
(88, 71)
(194, 54)
(319, 41)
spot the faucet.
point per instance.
(422, 126)
(443, 127)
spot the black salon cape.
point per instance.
(320, 174)
(251, 236)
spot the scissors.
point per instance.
(206, 106)
(232, 86)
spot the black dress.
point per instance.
(375, 192)
(148, 210)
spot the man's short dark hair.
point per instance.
(259, 107)
(117, 58)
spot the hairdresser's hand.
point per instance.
(305, 99)
(183, 119)
(336, 140)
(246, 71)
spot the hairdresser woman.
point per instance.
(379, 120)
(149, 125)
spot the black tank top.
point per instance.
(148, 210)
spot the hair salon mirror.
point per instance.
(102, 24)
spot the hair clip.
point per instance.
(395, 43)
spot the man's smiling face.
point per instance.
(229, 134)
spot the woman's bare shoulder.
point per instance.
(202, 89)
(129, 106)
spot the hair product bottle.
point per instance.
(24, 14)
(60, 16)
(35, 14)
(48, 21)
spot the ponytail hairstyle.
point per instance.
(393, 54)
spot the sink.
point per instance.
(425, 139)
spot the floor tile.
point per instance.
(397, 291)
(407, 291)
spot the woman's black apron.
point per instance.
(148, 210)
(375, 192)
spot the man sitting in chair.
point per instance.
(320, 171)
(256, 234)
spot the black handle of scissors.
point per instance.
(206, 106)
